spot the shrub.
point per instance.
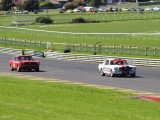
(78, 20)
(70, 5)
(44, 4)
(45, 20)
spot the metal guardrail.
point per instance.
(20, 51)
(10, 51)
(34, 52)
(99, 59)
(82, 57)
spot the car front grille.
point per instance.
(30, 63)
(125, 68)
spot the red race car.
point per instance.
(23, 62)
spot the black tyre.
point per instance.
(37, 70)
(112, 74)
(11, 68)
(133, 75)
(102, 73)
(18, 69)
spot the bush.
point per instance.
(70, 5)
(81, 20)
(44, 20)
(44, 4)
(78, 20)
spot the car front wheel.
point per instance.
(102, 73)
(18, 69)
(112, 74)
(133, 75)
(11, 68)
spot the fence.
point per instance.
(10, 51)
(24, 43)
(81, 57)
(125, 50)
(99, 59)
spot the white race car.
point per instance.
(116, 67)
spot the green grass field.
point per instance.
(138, 29)
(23, 99)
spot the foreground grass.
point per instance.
(34, 100)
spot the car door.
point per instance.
(106, 67)
(14, 62)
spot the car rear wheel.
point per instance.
(112, 74)
(102, 73)
(11, 68)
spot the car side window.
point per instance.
(14, 59)
(19, 58)
(107, 62)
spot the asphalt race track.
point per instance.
(147, 79)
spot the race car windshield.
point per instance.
(119, 63)
(25, 58)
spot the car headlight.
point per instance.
(134, 68)
(116, 68)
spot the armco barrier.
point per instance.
(10, 51)
(81, 57)
(99, 59)
(34, 52)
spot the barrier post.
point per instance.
(85, 47)
(39, 44)
(99, 48)
(24, 43)
(14, 42)
(155, 51)
(93, 48)
(113, 49)
(29, 43)
(137, 50)
(106, 48)
(121, 50)
(73, 47)
(19, 42)
(5, 40)
(79, 48)
(129, 47)
(34, 44)
(146, 51)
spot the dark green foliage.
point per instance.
(78, 20)
(81, 20)
(7, 4)
(70, 5)
(48, 4)
(31, 5)
(45, 20)
(94, 3)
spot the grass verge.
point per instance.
(23, 99)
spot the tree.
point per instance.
(48, 4)
(94, 3)
(70, 5)
(30, 5)
(7, 4)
